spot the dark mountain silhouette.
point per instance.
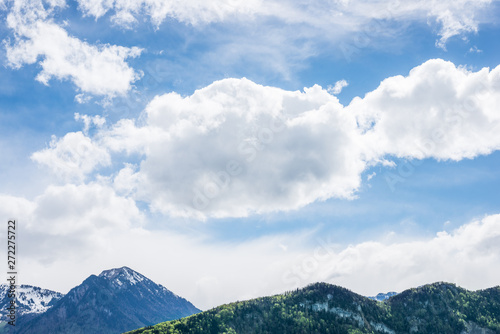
(115, 301)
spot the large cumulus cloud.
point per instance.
(235, 147)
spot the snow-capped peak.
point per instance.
(122, 275)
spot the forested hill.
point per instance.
(438, 308)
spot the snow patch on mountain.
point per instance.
(36, 299)
(30, 299)
(122, 275)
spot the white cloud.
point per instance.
(474, 49)
(126, 180)
(95, 69)
(86, 229)
(438, 111)
(68, 221)
(337, 88)
(468, 256)
(216, 273)
(454, 17)
(72, 157)
(82, 98)
(235, 148)
(89, 121)
(80, 230)
(103, 70)
(99, 70)
(191, 11)
(15, 207)
(84, 209)
(371, 176)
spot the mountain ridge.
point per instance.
(437, 308)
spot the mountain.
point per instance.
(439, 308)
(115, 301)
(31, 301)
(383, 296)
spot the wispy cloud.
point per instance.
(337, 88)
(453, 17)
(289, 32)
(95, 69)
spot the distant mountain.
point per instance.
(31, 301)
(116, 301)
(383, 296)
(321, 308)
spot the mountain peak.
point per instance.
(122, 275)
(117, 300)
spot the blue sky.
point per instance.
(210, 136)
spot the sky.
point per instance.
(235, 149)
